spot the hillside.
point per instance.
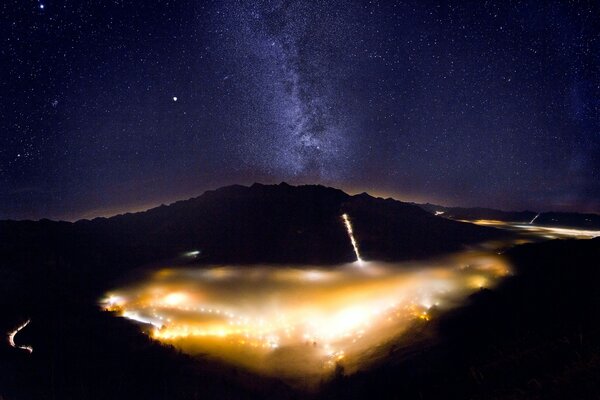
(237, 224)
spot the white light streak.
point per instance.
(534, 218)
(546, 232)
(351, 235)
(11, 338)
(137, 317)
(552, 232)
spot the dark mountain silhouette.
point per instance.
(563, 219)
(261, 223)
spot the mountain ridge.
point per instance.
(256, 224)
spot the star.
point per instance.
(266, 91)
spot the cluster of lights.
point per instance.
(349, 324)
(337, 313)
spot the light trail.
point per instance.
(11, 338)
(351, 235)
(551, 232)
(534, 218)
(539, 231)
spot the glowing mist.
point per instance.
(299, 322)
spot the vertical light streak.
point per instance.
(351, 235)
(11, 338)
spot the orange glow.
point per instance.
(299, 321)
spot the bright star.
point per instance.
(174, 98)
(42, 6)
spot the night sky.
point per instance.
(111, 106)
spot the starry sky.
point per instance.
(112, 106)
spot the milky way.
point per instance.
(117, 106)
(293, 118)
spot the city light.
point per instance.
(286, 321)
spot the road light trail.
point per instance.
(351, 235)
(539, 231)
(534, 218)
(11, 338)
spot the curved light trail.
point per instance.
(11, 338)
